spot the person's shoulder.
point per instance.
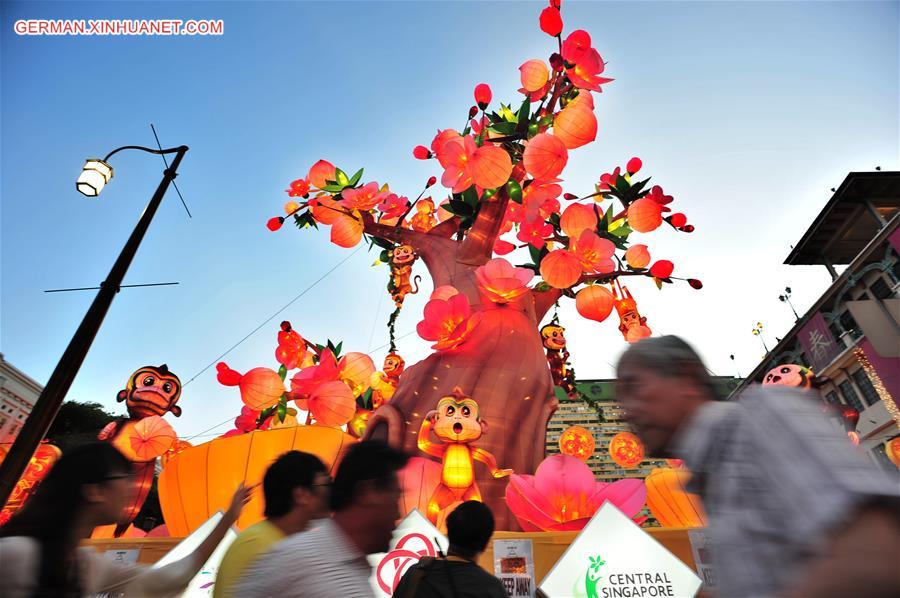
(261, 531)
(15, 551)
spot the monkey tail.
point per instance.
(415, 284)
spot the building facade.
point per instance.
(18, 394)
(850, 337)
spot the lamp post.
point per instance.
(786, 298)
(94, 176)
(757, 331)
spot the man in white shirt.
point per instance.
(794, 508)
(330, 559)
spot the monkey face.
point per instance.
(393, 365)
(554, 337)
(631, 319)
(403, 255)
(790, 375)
(457, 420)
(152, 391)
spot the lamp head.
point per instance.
(94, 176)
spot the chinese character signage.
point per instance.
(819, 346)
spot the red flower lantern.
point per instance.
(577, 442)
(626, 450)
(551, 21)
(662, 269)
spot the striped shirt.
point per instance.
(776, 478)
(320, 562)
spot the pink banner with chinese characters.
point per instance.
(888, 369)
(818, 344)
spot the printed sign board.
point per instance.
(514, 566)
(202, 584)
(414, 538)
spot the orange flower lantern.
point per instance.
(576, 441)
(321, 172)
(576, 219)
(892, 449)
(260, 387)
(534, 74)
(626, 450)
(637, 256)
(332, 404)
(200, 480)
(561, 268)
(644, 215)
(545, 156)
(670, 503)
(491, 166)
(594, 302)
(575, 125)
(347, 231)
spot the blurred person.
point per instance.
(794, 509)
(330, 559)
(295, 490)
(89, 486)
(458, 575)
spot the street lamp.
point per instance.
(757, 331)
(786, 298)
(94, 176)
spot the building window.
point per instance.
(880, 289)
(870, 395)
(850, 396)
(832, 398)
(850, 325)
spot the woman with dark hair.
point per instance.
(89, 486)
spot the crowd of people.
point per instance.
(793, 509)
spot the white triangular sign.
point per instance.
(202, 583)
(413, 538)
(613, 557)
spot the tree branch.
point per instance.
(447, 228)
(391, 233)
(479, 244)
(609, 276)
(543, 301)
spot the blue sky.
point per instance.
(747, 112)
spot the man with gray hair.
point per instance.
(794, 509)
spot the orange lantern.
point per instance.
(576, 441)
(357, 425)
(575, 125)
(347, 231)
(321, 172)
(626, 450)
(644, 215)
(637, 256)
(200, 480)
(670, 503)
(356, 369)
(326, 210)
(892, 449)
(534, 74)
(491, 166)
(576, 219)
(332, 404)
(561, 268)
(545, 157)
(260, 387)
(594, 302)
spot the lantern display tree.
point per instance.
(503, 172)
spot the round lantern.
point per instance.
(561, 268)
(644, 215)
(534, 74)
(594, 302)
(545, 157)
(892, 450)
(200, 480)
(575, 125)
(626, 450)
(637, 256)
(261, 388)
(790, 374)
(356, 370)
(491, 166)
(670, 503)
(322, 172)
(346, 231)
(576, 441)
(576, 219)
(332, 404)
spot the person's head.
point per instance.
(660, 382)
(296, 483)
(366, 489)
(469, 528)
(89, 486)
